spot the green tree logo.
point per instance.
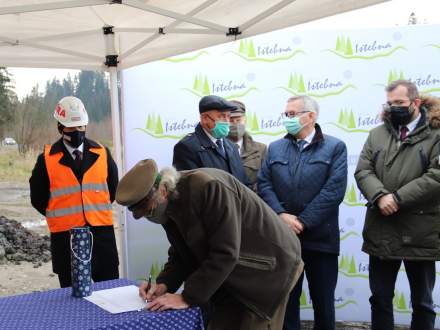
(252, 124)
(343, 46)
(154, 124)
(303, 300)
(155, 270)
(347, 265)
(393, 75)
(201, 85)
(296, 83)
(351, 195)
(247, 48)
(346, 118)
(399, 302)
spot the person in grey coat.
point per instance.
(399, 174)
(227, 246)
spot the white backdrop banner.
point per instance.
(345, 71)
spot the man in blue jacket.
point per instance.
(303, 179)
(207, 146)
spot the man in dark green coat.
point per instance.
(227, 246)
(399, 174)
(251, 152)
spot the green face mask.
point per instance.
(221, 129)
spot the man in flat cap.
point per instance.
(207, 146)
(227, 246)
(251, 152)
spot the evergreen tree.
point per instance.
(348, 48)
(301, 86)
(8, 100)
(351, 120)
(251, 52)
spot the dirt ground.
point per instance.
(24, 278)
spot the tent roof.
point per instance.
(70, 33)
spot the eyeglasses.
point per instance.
(397, 103)
(292, 114)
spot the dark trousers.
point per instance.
(110, 272)
(421, 278)
(104, 256)
(321, 270)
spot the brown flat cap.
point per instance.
(240, 109)
(137, 183)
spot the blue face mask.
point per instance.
(293, 125)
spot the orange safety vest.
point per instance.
(73, 204)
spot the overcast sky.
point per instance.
(391, 13)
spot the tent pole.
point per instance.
(111, 61)
(117, 147)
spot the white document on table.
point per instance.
(118, 300)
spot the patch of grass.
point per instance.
(15, 167)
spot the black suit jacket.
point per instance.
(105, 255)
(39, 181)
(196, 150)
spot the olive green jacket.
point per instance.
(226, 240)
(411, 171)
(252, 154)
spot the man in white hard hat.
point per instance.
(73, 184)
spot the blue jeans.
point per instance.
(321, 270)
(421, 277)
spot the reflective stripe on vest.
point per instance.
(72, 204)
(70, 190)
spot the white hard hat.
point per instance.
(70, 112)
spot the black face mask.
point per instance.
(401, 115)
(75, 138)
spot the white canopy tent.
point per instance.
(111, 35)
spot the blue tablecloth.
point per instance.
(57, 309)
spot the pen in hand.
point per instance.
(148, 287)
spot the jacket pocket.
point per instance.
(257, 261)
(278, 162)
(320, 161)
(422, 229)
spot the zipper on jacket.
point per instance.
(257, 262)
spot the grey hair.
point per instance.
(309, 103)
(412, 91)
(169, 179)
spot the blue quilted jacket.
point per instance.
(309, 184)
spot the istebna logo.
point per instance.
(340, 302)
(350, 268)
(230, 89)
(158, 128)
(351, 123)
(345, 48)
(326, 87)
(269, 127)
(353, 198)
(266, 53)
(425, 82)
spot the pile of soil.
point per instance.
(19, 244)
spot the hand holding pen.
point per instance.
(150, 291)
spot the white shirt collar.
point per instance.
(412, 125)
(213, 139)
(71, 150)
(309, 138)
(240, 144)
